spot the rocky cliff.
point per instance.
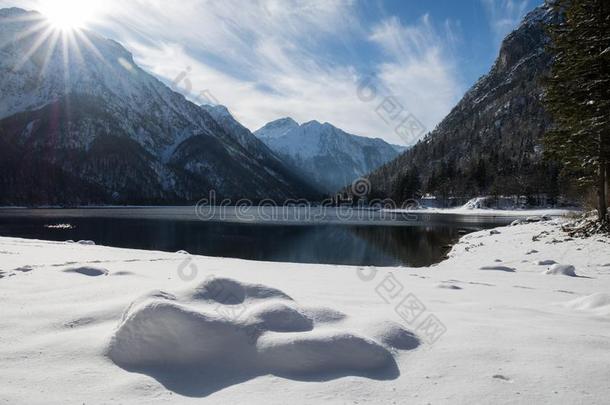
(491, 142)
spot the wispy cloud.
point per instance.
(504, 16)
(267, 59)
(420, 68)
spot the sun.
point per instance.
(69, 14)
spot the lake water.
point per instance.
(331, 237)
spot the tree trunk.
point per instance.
(602, 200)
(608, 182)
(606, 190)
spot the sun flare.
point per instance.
(69, 14)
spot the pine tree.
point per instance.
(578, 93)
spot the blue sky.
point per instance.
(266, 59)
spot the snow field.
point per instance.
(293, 333)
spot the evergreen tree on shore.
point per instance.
(578, 94)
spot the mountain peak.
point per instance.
(287, 121)
(277, 128)
(315, 124)
(330, 157)
(541, 14)
(218, 110)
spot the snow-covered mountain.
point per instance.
(491, 142)
(80, 122)
(328, 156)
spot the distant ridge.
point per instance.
(327, 155)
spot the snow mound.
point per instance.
(230, 292)
(325, 352)
(280, 317)
(498, 268)
(88, 271)
(562, 270)
(86, 242)
(153, 295)
(259, 330)
(447, 286)
(394, 335)
(598, 303)
(163, 332)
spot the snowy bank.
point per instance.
(482, 212)
(85, 323)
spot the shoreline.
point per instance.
(296, 216)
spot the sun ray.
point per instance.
(81, 35)
(35, 47)
(58, 29)
(66, 59)
(35, 29)
(50, 51)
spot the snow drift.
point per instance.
(225, 327)
(562, 270)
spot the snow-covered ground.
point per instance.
(483, 207)
(522, 213)
(501, 321)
